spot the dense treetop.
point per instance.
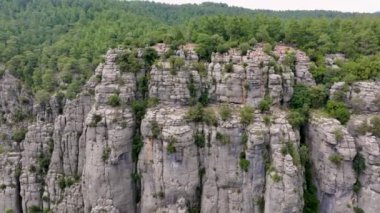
(54, 45)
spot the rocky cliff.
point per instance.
(98, 153)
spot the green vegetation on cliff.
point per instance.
(55, 44)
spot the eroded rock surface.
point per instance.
(95, 153)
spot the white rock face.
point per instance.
(284, 194)
(302, 62)
(362, 96)
(77, 154)
(368, 145)
(213, 169)
(35, 152)
(106, 178)
(252, 79)
(327, 138)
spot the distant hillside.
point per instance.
(173, 14)
(55, 44)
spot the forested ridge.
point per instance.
(54, 45)
(292, 102)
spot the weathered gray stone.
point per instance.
(326, 139)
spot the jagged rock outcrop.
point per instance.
(284, 192)
(170, 88)
(177, 175)
(9, 170)
(362, 96)
(174, 176)
(332, 150)
(36, 151)
(248, 79)
(331, 60)
(85, 154)
(302, 62)
(337, 149)
(108, 136)
(368, 145)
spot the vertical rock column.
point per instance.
(168, 163)
(284, 180)
(35, 163)
(107, 175)
(332, 151)
(368, 146)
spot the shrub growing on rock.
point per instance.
(95, 120)
(19, 135)
(359, 164)
(290, 60)
(244, 138)
(209, 117)
(244, 47)
(199, 139)
(9, 211)
(114, 100)
(336, 159)
(229, 67)
(195, 113)
(357, 186)
(301, 97)
(225, 112)
(153, 102)
(375, 126)
(203, 98)
(201, 68)
(338, 134)
(338, 110)
(265, 104)
(363, 128)
(318, 96)
(276, 177)
(175, 64)
(244, 164)
(267, 48)
(171, 148)
(150, 55)
(288, 148)
(156, 129)
(34, 209)
(128, 62)
(137, 144)
(64, 182)
(310, 191)
(106, 153)
(267, 120)
(296, 118)
(42, 97)
(18, 116)
(223, 138)
(246, 115)
(139, 109)
(304, 154)
(358, 210)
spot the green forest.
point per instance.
(54, 45)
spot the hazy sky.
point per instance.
(340, 5)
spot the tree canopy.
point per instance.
(56, 44)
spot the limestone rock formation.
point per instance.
(362, 96)
(332, 150)
(111, 150)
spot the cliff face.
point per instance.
(340, 185)
(80, 155)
